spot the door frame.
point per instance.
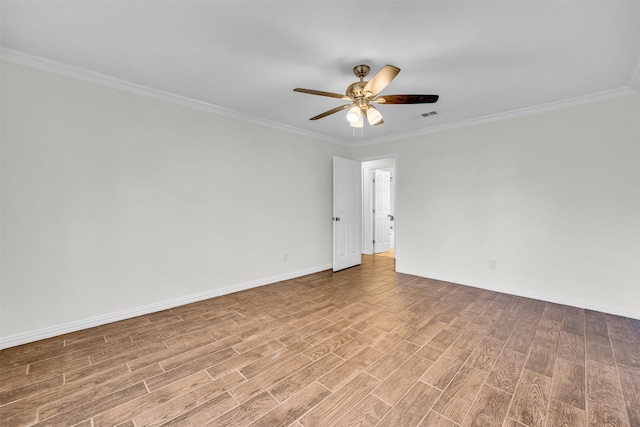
(368, 164)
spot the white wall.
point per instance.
(553, 199)
(113, 204)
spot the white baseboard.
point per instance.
(533, 295)
(27, 337)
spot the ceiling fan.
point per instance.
(362, 94)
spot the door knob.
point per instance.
(337, 218)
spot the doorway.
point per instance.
(379, 231)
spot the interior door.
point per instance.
(347, 213)
(381, 211)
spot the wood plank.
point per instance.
(521, 338)
(445, 368)
(366, 413)
(433, 419)
(503, 327)
(402, 379)
(602, 415)
(201, 414)
(507, 370)
(603, 386)
(571, 347)
(245, 413)
(569, 381)
(273, 359)
(349, 369)
(489, 409)
(599, 349)
(412, 407)
(486, 354)
(189, 368)
(339, 403)
(172, 360)
(330, 344)
(99, 392)
(630, 382)
(294, 407)
(562, 414)
(386, 364)
(296, 381)
(230, 364)
(74, 415)
(363, 346)
(257, 384)
(460, 394)
(531, 398)
(212, 395)
(151, 400)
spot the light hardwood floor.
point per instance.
(362, 347)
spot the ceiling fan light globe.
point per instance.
(359, 123)
(373, 116)
(354, 115)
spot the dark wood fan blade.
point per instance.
(381, 79)
(406, 99)
(335, 110)
(322, 93)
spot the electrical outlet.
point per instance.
(285, 257)
(492, 264)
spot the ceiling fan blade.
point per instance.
(322, 93)
(381, 79)
(406, 99)
(326, 113)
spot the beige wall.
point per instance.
(552, 198)
(113, 204)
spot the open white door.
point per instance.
(347, 213)
(381, 211)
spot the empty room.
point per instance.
(320, 213)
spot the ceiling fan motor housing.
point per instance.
(355, 90)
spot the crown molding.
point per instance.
(528, 111)
(44, 64)
(635, 77)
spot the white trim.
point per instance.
(108, 81)
(533, 295)
(27, 337)
(635, 77)
(44, 64)
(537, 109)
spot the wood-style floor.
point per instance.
(362, 347)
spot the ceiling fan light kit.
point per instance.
(361, 94)
(354, 115)
(373, 116)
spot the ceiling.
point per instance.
(486, 59)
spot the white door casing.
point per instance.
(382, 211)
(347, 213)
